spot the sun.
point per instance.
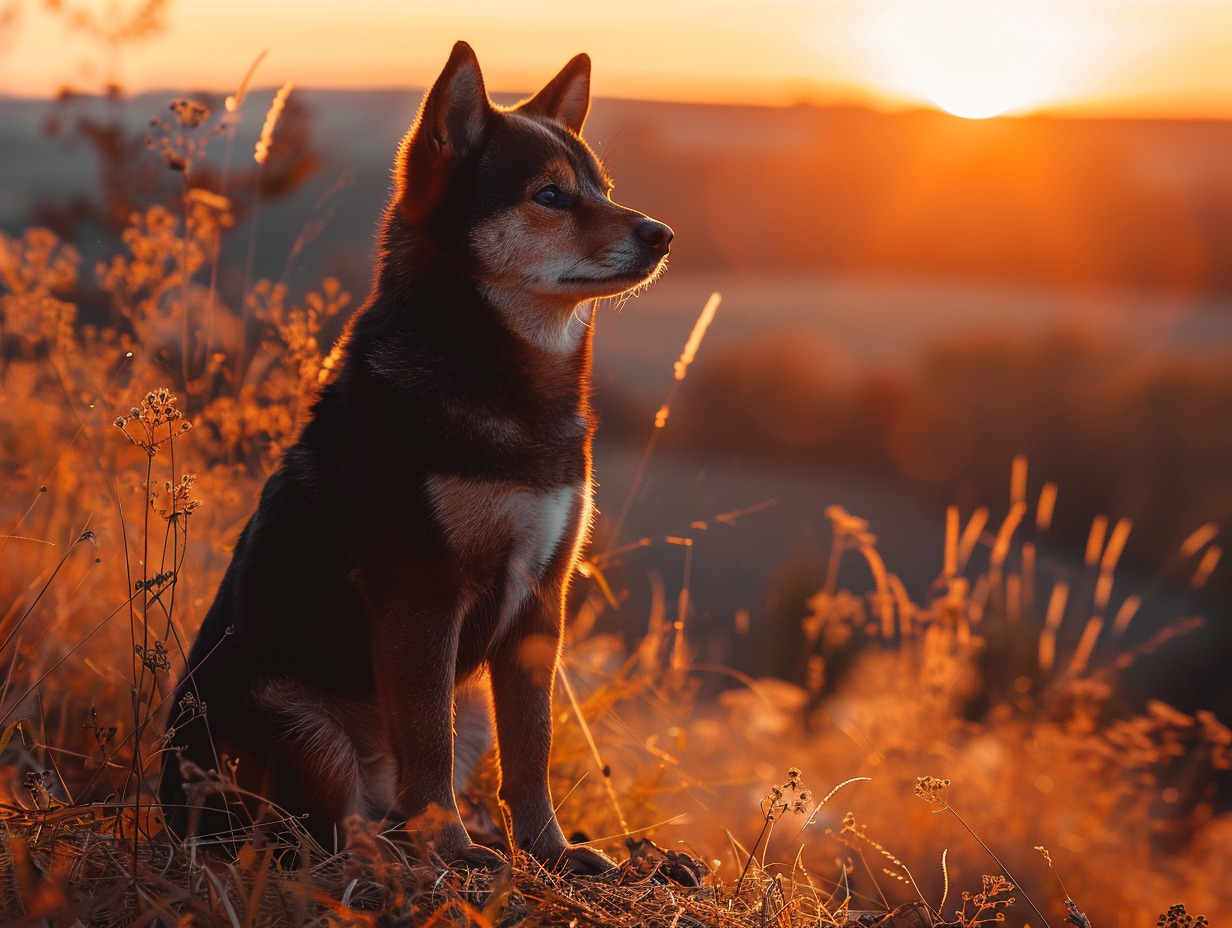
(975, 58)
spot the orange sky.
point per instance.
(976, 57)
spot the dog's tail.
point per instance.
(472, 728)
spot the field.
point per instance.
(961, 721)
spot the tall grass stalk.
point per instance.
(260, 156)
(680, 369)
(604, 769)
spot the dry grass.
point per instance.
(120, 500)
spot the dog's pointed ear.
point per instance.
(451, 123)
(566, 98)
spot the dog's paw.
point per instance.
(476, 857)
(451, 847)
(582, 860)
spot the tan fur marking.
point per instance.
(478, 515)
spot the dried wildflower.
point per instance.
(190, 706)
(297, 327)
(201, 784)
(155, 422)
(176, 141)
(178, 495)
(36, 782)
(791, 797)
(147, 287)
(253, 424)
(1154, 747)
(215, 201)
(833, 619)
(990, 903)
(1075, 916)
(1177, 917)
(155, 658)
(153, 583)
(190, 113)
(35, 271)
(933, 790)
(103, 734)
(827, 797)
(264, 418)
(849, 528)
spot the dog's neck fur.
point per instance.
(408, 333)
(560, 327)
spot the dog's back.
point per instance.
(424, 527)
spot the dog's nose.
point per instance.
(655, 234)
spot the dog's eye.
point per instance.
(551, 195)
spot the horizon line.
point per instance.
(1078, 110)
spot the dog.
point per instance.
(415, 545)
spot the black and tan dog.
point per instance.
(420, 534)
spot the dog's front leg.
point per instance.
(523, 671)
(415, 658)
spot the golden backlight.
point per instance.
(972, 57)
(976, 58)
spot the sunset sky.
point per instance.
(973, 57)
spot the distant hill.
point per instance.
(1113, 203)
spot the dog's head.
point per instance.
(518, 197)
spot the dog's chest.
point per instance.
(486, 523)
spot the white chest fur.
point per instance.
(483, 519)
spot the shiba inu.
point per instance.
(415, 545)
